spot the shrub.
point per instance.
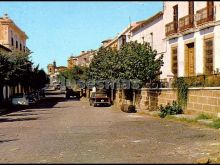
(216, 124)
(128, 108)
(170, 109)
(182, 90)
(131, 109)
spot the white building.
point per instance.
(193, 37)
(152, 30)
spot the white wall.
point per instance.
(157, 29)
(157, 39)
(197, 36)
(217, 47)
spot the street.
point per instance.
(70, 131)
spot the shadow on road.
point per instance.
(43, 105)
(23, 114)
(18, 119)
(9, 140)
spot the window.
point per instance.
(208, 56)
(175, 16)
(20, 47)
(12, 41)
(151, 39)
(191, 7)
(142, 39)
(174, 61)
(16, 44)
(123, 39)
(191, 12)
(210, 8)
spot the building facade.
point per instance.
(192, 32)
(152, 30)
(84, 59)
(4, 49)
(111, 43)
(11, 36)
(71, 62)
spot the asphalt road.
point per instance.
(69, 131)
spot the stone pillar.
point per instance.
(144, 102)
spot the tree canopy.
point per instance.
(132, 61)
(17, 68)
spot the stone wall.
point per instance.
(200, 100)
(206, 100)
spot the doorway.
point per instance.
(189, 60)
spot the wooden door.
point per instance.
(190, 60)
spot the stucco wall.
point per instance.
(197, 37)
(154, 27)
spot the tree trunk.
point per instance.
(6, 92)
(112, 96)
(134, 97)
(1, 93)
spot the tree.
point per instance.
(104, 64)
(74, 74)
(4, 68)
(132, 61)
(15, 68)
(140, 62)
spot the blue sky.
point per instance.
(57, 30)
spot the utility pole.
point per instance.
(130, 27)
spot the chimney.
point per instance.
(5, 16)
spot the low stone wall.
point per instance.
(200, 100)
(203, 100)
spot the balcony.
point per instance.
(186, 23)
(205, 15)
(171, 28)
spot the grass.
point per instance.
(181, 119)
(203, 117)
(215, 124)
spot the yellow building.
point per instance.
(71, 62)
(4, 49)
(111, 43)
(84, 59)
(53, 69)
(11, 36)
(50, 69)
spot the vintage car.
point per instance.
(70, 93)
(20, 99)
(99, 98)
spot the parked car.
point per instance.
(70, 93)
(63, 89)
(99, 98)
(42, 93)
(57, 86)
(20, 99)
(31, 98)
